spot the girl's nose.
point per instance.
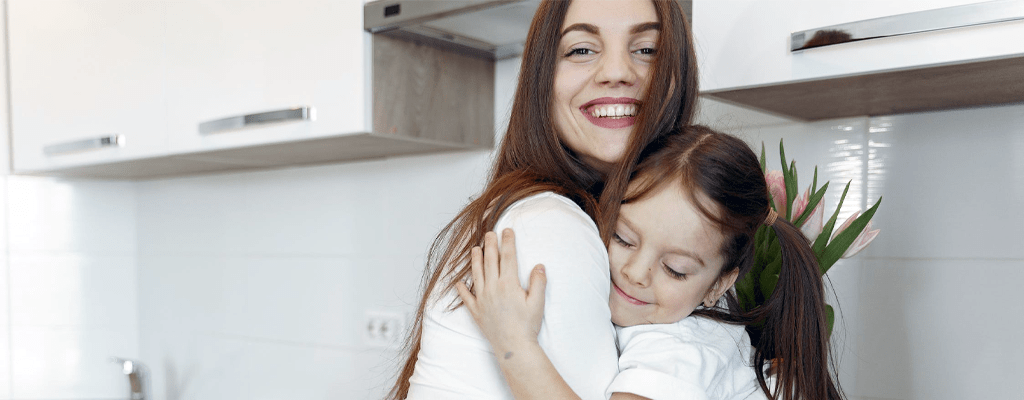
(636, 274)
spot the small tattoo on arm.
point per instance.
(508, 355)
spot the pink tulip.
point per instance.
(777, 187)
(801, 203)
(813, 224)
(863, 239)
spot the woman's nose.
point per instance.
(617, 68)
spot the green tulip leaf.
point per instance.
(835, 249)
(826, 230)
(830, 318)
(814, 185)
(763, 166)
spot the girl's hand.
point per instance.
(509, 316)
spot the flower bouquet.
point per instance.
(807, 213)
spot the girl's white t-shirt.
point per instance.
(693, 359)
(456, 361)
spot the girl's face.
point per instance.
(605, 54)
(665, 259)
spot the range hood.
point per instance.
(491, 29)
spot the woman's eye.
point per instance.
(579, 51)
(646, 52)
(674, 273)
(618, 239)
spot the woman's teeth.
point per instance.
(614, 111)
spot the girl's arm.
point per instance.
(510, 318)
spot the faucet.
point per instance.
(137, 374)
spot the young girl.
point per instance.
(684, 235)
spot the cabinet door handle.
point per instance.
(922, 21)
(84, 145)
(242, 121)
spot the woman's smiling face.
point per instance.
(665, 259)
(606, 50)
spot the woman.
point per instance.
(562, 166)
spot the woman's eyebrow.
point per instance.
(588, 28)
(646, 26)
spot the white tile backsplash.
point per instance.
(73, 291)
(952, 183)
(52, 215)
(69, 363)
(5, 362)
(939, 329)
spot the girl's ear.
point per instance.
(723, 284)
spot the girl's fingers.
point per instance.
(476, 257)
(509, 265)
(467, 296)
(535, 293)
(491, 272)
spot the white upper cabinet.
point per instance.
(262, 56)
(150, 88)
(747, 42)
(83, 72)
(744, 51)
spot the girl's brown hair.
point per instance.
(789, 331)
(532, 158)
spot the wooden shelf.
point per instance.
(931, 88)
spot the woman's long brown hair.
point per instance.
(788, 331)
(532, 158)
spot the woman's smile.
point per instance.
(611, 112)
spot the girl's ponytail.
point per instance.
(794, 338)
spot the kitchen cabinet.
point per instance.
(231, 84)
(744, 50)
(83, 72)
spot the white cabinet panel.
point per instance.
(744, 43)
(233, 57)
(82, 70)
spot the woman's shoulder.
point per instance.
(546, 209)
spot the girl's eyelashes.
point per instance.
(618, 239)
(673, 273)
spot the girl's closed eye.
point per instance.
(618, 239)
(672, 272)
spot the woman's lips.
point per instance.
(605, 122)
(630, 299)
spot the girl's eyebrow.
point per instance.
(594, 30)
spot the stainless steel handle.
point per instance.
(915, 22)
(242, 121)
(84, 145)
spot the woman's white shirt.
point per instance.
(455, 360)
(693, 359)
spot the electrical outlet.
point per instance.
(383, 328)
